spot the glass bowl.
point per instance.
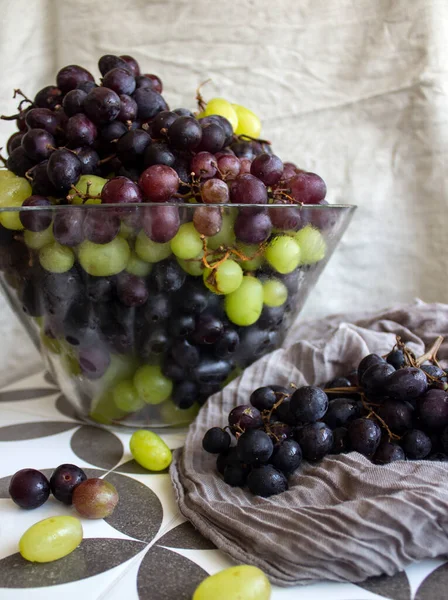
(140, 331)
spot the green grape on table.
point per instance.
(38, 239)
(243, 582)
(243, 306)
(283, 254)
(56, 258)
(194, 266)
(51, 539)
(225, 278)
(138, 266)
(312, 245)
(251, 251)
(226, 236)
(126, 397)
(150, 251)
(102, 260)
(150, 451)
(152, 385)
(275, 292)
(187, 242)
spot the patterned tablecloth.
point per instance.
(146, 549)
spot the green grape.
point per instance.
(150, 451)
(137, 266)
(152, 385)
(56, 258)
(243, 306)
(243, 582)
(312, 245)
(225, 279)
(97, 184)
(250, 250)
(173, 415)
(102, 260)
(14, 190)
(194, 267)
(51, 539)
(248, 122)
(151, 251)
(226, 237)
(5, 174)
(11, 220)
(283, 254)
(187, 242)
(275, 292)
(219, 106)
(126, 231)
(38, 239)
(126, 397)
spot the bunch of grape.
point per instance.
(391, 408)
(175, 300)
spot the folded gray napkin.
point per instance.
(343, 519)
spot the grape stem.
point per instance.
(199, 98)
(19, 92)
(108, 158)
(244, 137)
(431, 354)
(10, 117)
(84, 196)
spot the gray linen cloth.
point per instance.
(343, 519)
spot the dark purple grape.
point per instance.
(254, 343)
(68, 226)
(100, 289)
(368, 361)
(307, 188)
(212, 371)
(235, 475)
(308, 404)
(388, 452)
(204, 166)
(268, 168)
(416, 444)
(31, 298)
(36, 220)
(38, 144)
(6, 239)
(285, 217)
(185, 133)
(158, 308)
(406, 384)
(156, 341)
(254, 446)
(341, 411)
(213, 137)
(149, 103)
(101, 226)
(364, 436)
(131, 290)
(156, 82)
(266, 481)
(102, 105)
(109, 61)
(227, 344)
(121, 81)
(397, 415)
(247, 189)
(142, 81)
(161, 223)
(89, 159)
(29, 488)
(128, 109)
(182, 325)
(338, 382)
(48, 97)
(59, 290)
(112, 132)
(340, 441)
(64, 169)
(173, 371)
(229, 167)
(208, 330)
(184, 394)
(132, 145)
(41, 183)
(158, 153)
(374, 378)
(73, 102)
(315, 439)
(230, 457)
(64, 480)
(160, 124)
(185, 354)
(396, 359)
(245, 417)
(271, 317)
(432, 409)
(434, 371)
(14, 141)
(19, 162)
(86, 86)
(253, 227)
(121, 190)
(132, 64)
(80, 324)
(167, 276)
(287, 457)
(71, 76)
(80, 131)
(246, 150)
(42, 118)
(279, 432)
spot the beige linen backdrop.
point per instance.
(356, 90)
